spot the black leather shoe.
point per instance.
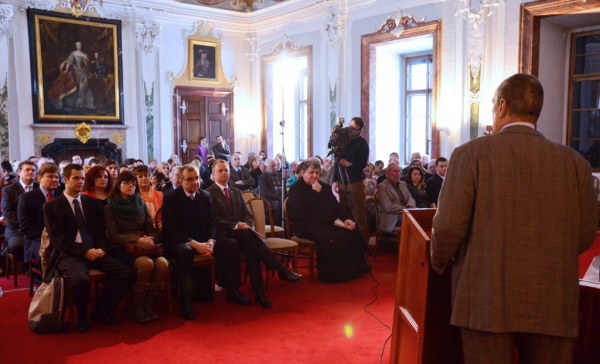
(101, 315)
(234, 295)
(82, 326)
(262, 299)
(187, 312)
(286, 275)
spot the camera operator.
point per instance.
(354, 162)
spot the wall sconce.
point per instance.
(224, 109)
(468, 10)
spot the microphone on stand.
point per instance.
(282, 123)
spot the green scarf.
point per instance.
(127, 209)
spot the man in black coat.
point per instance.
(269, 188)
(341, 253)
(235, 221)
(221, 149)
(31, 214)
(10, 206)
(239, 176)
(188, 229)
(77, 233)
(434, 184)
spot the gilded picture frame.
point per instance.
(76, 68)
(204, 56)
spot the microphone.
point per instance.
(282, 123)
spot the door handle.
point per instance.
(184, 145)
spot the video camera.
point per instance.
(339, 140)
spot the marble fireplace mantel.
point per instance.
(45, 134)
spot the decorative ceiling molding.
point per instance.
(147, 36)
(333, 27)
(285, 46)
(397, 23)
(77, 8)
(6, 16)
(247, 4)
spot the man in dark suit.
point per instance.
(188, 229)
(221, 149)
(77, 233)
(511, 229)
(10, 207)
(235, 221)
(31, 214)
(269, 188)
(434, 184)
(239, 176)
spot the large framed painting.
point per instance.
(76, 68)
(204, 57)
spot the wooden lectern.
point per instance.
(422, 332)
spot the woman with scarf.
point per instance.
(132, 239)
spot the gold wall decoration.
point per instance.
(83, 132)
(118, 138)
(42, 138)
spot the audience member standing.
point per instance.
(512, 240)
(202, 150)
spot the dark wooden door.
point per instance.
(207, 112)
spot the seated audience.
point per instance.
(234, 221)
(189, 228)
(10, 207)
(392, 198)
(370, 188)
(257, 168)
(173, 182)
(430, 171)
(269, 188)
(31, 215)
(76, 160)
(79, 243)
(250, 156)
(295, 174)
(341, 251)
(239, 176)
(98, 183)
(112, 167)
(131, 232)
(378, 169)
(7, 168)
(262, 154)
(416, 187)
(433, 186)
(152, 198)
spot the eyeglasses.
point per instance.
(128, 183)
(192, 179)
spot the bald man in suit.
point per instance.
(510, 228)
(234, 221)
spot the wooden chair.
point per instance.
(279, 231)
(11, 265)
(96, 277)
(303, 243)
(383, 235)
(34, 268)
(276, 245)
(246, 195)
(199, 261)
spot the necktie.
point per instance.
(86, 238)
(192, 196)
(227, 197)
(27, 188)
(49, 197)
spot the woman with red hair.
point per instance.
(98, 183)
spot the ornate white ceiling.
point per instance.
(234, 5)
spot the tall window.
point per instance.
(302, 130)
(584, 101)
(418, 100)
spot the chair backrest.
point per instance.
(246, 195)
(289, 225)
(158, 223)
(376, 203)
(597, 186)
(257, 207)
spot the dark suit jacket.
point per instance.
(244, 176)
(266, 188)
(433, 188)
(10, 207)
(62, 226)
(511, 229)
(221, 153)
(185, 220)
(31, 219)
(226, 217)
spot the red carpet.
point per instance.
(310, 322)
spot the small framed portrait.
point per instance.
(76, 68)
(204, 58)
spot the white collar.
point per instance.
(518, 123)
